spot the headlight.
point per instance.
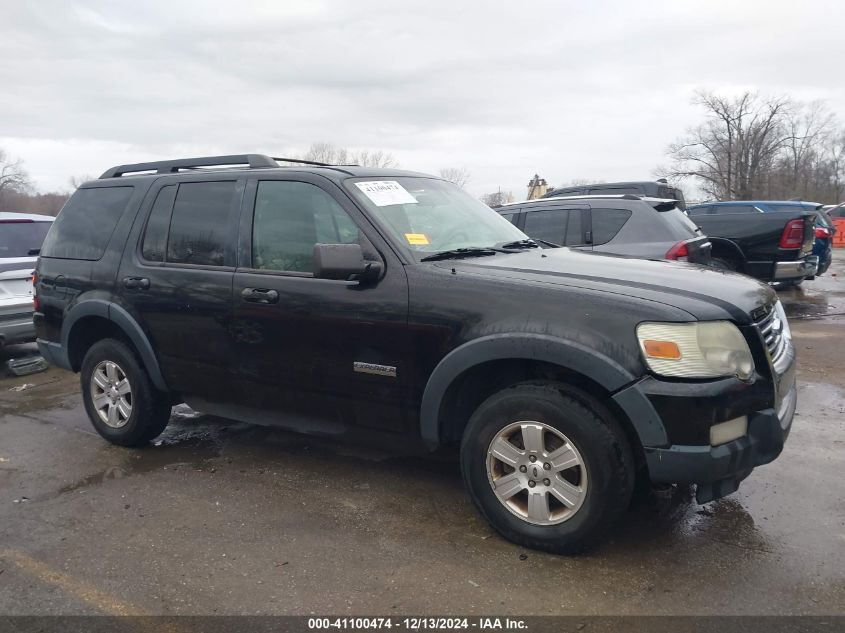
(709, 349)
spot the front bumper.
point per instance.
(717, 470)
(798, 269)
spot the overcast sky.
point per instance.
(569, 90)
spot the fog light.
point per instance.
(728, 431)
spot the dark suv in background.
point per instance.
(635, 226)
(353, 301)
(648, 188)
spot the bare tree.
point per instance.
(497, 198)
(457, 175)
(13, 179)
(332, 155)
(837, 165)
(737, 145)
(76, 181)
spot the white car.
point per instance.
(21, 235)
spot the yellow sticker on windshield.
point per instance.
(416, 239)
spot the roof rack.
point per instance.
(253, 161)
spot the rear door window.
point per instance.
(548, 225)
(607, 223)
(726, 209)
(574, 228)
(19, 237)
(202, 227)
(86, 223)
(699, 211)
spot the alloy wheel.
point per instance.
(537, 473)
(111, 394)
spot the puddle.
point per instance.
(191, 440)
(822, 297)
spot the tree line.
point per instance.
(752, 146)
(18, 194)
(748, 146)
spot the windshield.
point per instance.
(431, 216)
(19, 237)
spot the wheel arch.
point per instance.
(726, 248)
(487, 364)
(95, 319)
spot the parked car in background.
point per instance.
(773, 247)
(835, 211)
(648, 188)
(21, 235)
(823, 246)
(823, 226)
(364, 302)
(636, 226)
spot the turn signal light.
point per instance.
(36, 304)
(666, 350)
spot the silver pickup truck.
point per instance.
(21, 235)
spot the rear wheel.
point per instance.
(121, 401)
(547, 466)
(723, 264)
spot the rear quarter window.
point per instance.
(679, 223)
(607, 223)
(86, 223)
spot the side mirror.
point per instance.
(343, 261)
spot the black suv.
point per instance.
(350, 300)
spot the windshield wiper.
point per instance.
(520, 244)
(469, 251)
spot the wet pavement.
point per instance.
(226, 518)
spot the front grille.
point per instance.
(771, 328)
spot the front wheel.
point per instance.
(547, 466)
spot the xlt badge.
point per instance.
(372, 368)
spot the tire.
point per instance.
(114, 363)
(723, 264)
(605, 474)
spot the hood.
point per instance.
(704, 293)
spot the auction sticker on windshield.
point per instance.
(416, 239)
(383, 193)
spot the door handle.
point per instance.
(136, 283)
(260, 295)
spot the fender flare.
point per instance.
(568, 354)
(122, 319)
(730, 245)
